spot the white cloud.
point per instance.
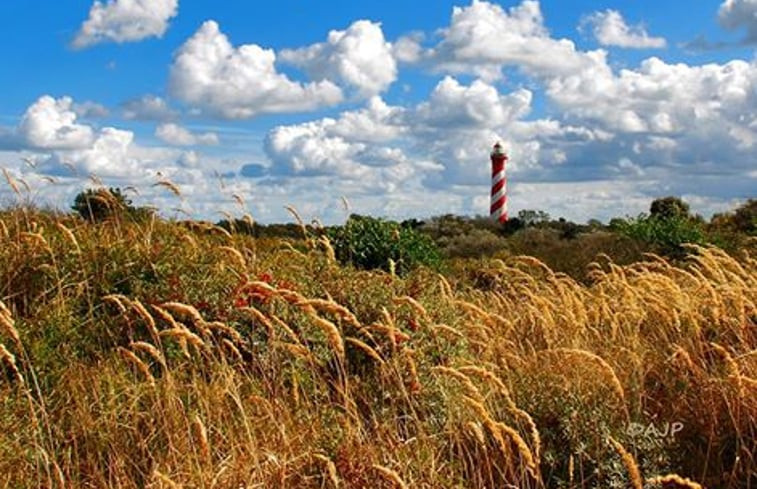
(241, 82)
(483, 37)
(125, 21)
(408, 49)
(177, 135)
(610, 29)
(450, 133)
(50, 123)
(108, 156)
(359, 57)
(664, 98)
(453, 105)
(740, 14)
(148, 108)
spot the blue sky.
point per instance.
(603, 106)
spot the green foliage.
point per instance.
(669, 208)
(97, 205)
(741, 220)
(473, 244)
(668, 233)
(370, 243)
(533, 217)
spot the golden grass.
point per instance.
(164, 355)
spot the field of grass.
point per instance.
(164, 354)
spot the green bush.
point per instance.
(666, 232)
(100, 204)
(371, 243)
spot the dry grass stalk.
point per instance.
(170, 186)
(10, 362)
(629, 462)
(235, 253)
(184, 310)
(289, 331)
(297, 217)
(11, 182)
(366, 349)
(609, 372)
(498, 430)
(673, 481)
(332, 334)
(226, 329)
(233, 349)
(165, 316)
(470, 387)
(330, 468)
(417, 306)
(447, 329)
(490, 377)
(70, 236)
(130, 357)
(143, 313)
(295, 349)
(476, 429)
(332, 307)
(186, 335)
(8, 326)
(150, 350)
(262, 319)
(733, 368)
(445, 287)
(391, 476)
(201, 435)
(330, 254)
(163, 480)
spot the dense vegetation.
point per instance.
(141, 352)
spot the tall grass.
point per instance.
(162, 354)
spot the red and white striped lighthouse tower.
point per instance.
(498, 207)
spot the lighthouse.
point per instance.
(498, 209)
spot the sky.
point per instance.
(388, 108)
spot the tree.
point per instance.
(96, 205)
(669, 207)
(532, 217)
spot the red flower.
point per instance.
(265, 277)
(412, 324)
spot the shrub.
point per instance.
(371, 243)
(96, 205)
(667, 233)
(476, 243)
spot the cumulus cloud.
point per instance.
(125, 21)
(740, 14)
(453, 105)
(610, 29)
(50, 123)
(358, 146)
(148, 108)
(483, 37)
(240, 82)
(108, 156)
(664, 99)
(441, 141)
(358, 57)
(177, 135)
